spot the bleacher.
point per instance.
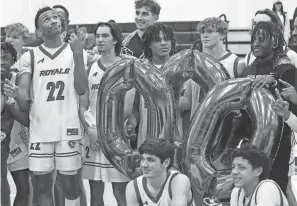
(238, 40)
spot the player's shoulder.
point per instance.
(179, 180)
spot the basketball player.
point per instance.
(146, 13)
(96, 168)
(18, 159)
(158, 185)
(56, 73)
(58, 191)
(159, 43)
(213, 33)
(268, 15)
(8, 58)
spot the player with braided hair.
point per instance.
(271, 64)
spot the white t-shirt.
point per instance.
(267, 193)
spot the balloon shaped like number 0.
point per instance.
(118, 79)
(211, 173)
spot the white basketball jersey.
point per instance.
(54, 108)
(95, 75)
(146, 199)
(230, 62)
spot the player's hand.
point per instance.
(10, 89)
(92, 134)
(289, 92)
(130, 132)
(76, 44)
(126, 56)
(95, 146)
(262, 81)
(280, 106)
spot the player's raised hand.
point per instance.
(289, 92)
(75, 42)
(10, 89)
(280, 106)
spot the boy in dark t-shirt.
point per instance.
(270, 65)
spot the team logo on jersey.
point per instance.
(95, 74)
(145, 203)
(15, 152)
(71, 144)
(95, 86)
(54, 71)
(73, 131)
(41, 61)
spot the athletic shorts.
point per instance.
(62, 156)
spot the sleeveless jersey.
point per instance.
(95, 75)
(230, 62)
(54, 106)
(164, 199)
(19, 135)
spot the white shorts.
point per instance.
(62, 155)
(20, 164)
(97, 167)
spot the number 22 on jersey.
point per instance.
(52, 87)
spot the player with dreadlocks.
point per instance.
(159, 44)
(271, 64)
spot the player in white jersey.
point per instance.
(250, 172)
(159, 185)
(18, 159)
(213, 34)
(54, 76)
(96, 168)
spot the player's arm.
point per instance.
(80, 73)
(83, 107)
(21, 117)
(21, 93)
(131, 197)
(181, 190)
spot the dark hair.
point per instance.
(39, 12)
(282, 10)
(161, 148)
(198, 44)
(152, 35)
(116, 33)
(8, 48)
(274, 17)
(152, 4)
(64, 9)
(272, 31)
(256, 157)
(112, 21)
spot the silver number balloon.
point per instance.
(153, 86)
(209, 173)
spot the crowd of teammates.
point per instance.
(52, 89)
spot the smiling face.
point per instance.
(6, 62)
(49, 23)
(152, 166)
(262, 45)
(144, 18)
(243, 173)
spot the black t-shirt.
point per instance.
(134, 46)
(288, 73)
